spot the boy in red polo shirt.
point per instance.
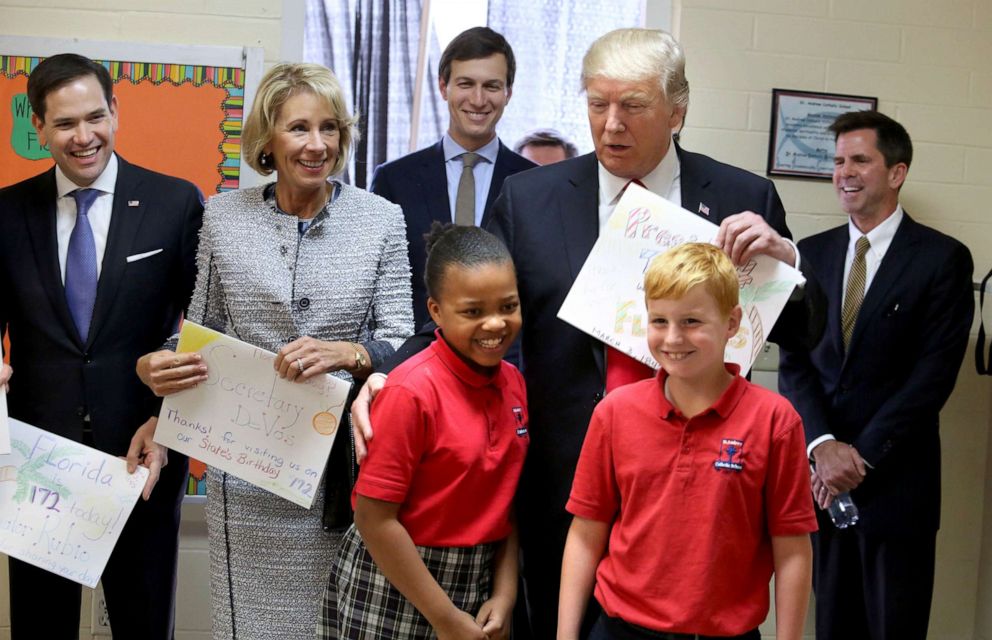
(692, 487)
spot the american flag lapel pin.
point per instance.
(133, 203)
(703, 209)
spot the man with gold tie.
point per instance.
(899, 309)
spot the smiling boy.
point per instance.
(692, 487)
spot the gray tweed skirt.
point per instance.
(269, 561)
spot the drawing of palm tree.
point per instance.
(30, 472)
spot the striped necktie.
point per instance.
(855, 289)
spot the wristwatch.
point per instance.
(360, 360)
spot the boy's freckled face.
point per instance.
(688, 336)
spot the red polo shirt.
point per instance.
(449, 445)
(693, 504)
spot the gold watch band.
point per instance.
(360, 360)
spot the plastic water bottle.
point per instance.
(843, 511)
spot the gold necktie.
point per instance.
(855, 289)
(465, 198)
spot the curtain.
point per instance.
(371, 45)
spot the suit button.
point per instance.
(304, 303)
(87, 358)
(598, 396)
(80, 411)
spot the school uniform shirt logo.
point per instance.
(518, 413)
(730, 455)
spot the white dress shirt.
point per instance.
(99, 213)
(664, 180)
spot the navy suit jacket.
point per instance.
(885, 393)
(58, 379)
(549, 219)
(418, 183)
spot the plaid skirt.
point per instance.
(361, 604)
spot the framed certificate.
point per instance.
(801, 145)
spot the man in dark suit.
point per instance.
(97, 262)
(550, 219)
(900, 306)
(457, 179)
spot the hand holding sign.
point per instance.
(5, 373)
(62, 504)
(246, 420)
(607, 299)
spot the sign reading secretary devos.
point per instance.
(246, 420)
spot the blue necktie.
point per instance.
(80, 264)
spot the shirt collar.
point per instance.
(462, 371)
(725, 403)
(659, 181)
(452, 149)
(105, 182)
(881, 236)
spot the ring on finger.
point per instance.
(299, 364)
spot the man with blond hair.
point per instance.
(550, 218)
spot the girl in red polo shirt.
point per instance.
(433, 552)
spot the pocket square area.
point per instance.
(142, 256)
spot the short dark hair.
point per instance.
(546, 138)
(893, 139)
(464, 246)
(61, 69)
(473, 44)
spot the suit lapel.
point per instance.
(578, 216)
(897, 259)
(833, 283)
(433, 180)
(694, 187)
(578, 212)
(45, 244)
(124, 223)
(500, 172)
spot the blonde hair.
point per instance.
(282, 82)
(635, 55)
(672, 274)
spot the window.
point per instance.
(373, 46)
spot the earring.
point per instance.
(265, 160)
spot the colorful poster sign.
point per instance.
(246, 420)
(63, 504)
(180, 119)
(607, 299)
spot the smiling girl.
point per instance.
(433, 552)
